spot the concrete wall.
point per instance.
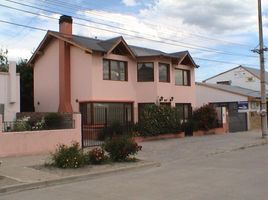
(10, 92)
(239, 77)
(46, 79)
(38, 142)
(205, 95)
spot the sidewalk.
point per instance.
(19, 173)
(28, 172)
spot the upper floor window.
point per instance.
(146, 72)
(164, 72)
(182, 77)
(114, 70)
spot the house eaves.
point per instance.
(49, 35)
(232, 89)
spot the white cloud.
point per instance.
(129, 2)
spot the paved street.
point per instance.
(212, 167)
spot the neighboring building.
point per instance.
(74, 73)
(241, 76)
(9, 93)
(240, 104)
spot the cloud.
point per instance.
(129, 2)
(210, 16)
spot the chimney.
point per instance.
(66, 25)
(65, 66)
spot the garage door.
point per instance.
(237, 122)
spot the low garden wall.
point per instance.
(38, 142)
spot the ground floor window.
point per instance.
(99, 113)
(184, 111)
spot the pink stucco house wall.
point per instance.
(72, 71)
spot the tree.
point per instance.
(3, 60)
(26, 86)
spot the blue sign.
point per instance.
(242, 105)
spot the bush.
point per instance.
(96, 156)
(156, 120)
(120, 148)
(22, 125)
(68, 156)
(205, 118)
(53, 120)
(37, 123)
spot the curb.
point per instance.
(71, 179)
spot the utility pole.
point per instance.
(262, 75)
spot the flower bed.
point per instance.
(159, 137)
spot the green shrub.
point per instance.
(205, 118)
(96, 156)
(120, 148)
(156, 120)
(53, 121)
(68, 156)
(22, 125)
(36, 123)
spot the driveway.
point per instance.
(218, 167)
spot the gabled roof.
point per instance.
(254, 71)
(182, 55)
(106, 46)
(234, 89)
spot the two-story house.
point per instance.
(108, 77)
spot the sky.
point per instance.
(219, 34)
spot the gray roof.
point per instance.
(105, 45)
(256, 72)
(234, 89)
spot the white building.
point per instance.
(9, 93)
(241, 76)
(241, 105)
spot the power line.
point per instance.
(221, 61)
(71, 6)
(182, 44)
(44, 30)
(22, 25)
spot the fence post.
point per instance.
(1, 124)
(77, 127)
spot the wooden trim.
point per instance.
(138, 71)
(41, 45)
(125, 44)
(72, 43)
(168, 72)
(110, 77)
(188, 74)
(45, 41)
(191, 59)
